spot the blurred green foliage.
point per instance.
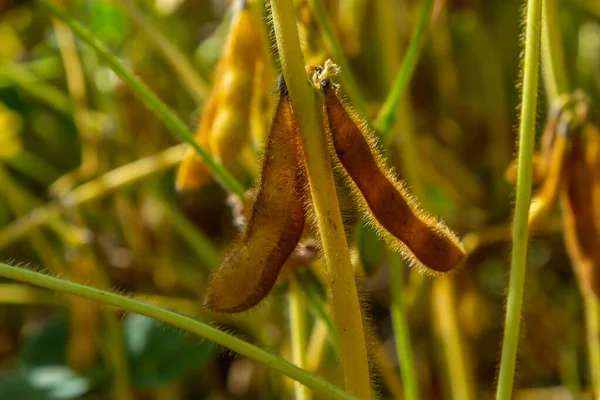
(148, 240)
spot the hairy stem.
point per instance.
(402, 330)
(297, 303)
(524, 180)
(345, 304)
(188, 324)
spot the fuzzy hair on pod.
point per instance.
(388, 206)
(250, 269)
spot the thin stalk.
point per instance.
(389, 375)
(318, 304)
(459, 373)
(297, 304)
(160, 109)
(524, 180)
(553, 59)
(113, 180)
(115, 350)
(188, 324)
(349, 84)
(340, 274)
(171, 54)
(317, 344)
(387, 115)
(402, 330)
(592, 324)
(388, 46)
(77, 92)
(569, 369)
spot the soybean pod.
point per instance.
(423, 239)
(276, 222)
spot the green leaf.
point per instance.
(43, 364)
(160, 354)
(47, 346)
(16, 386)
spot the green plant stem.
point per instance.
(188, 324)
(111, 181)
(162, 111)
(520, 229)
(116, 352)
(592, 323)
(171, 54)
(318, 304)
(553, 59)
(340, 274)
(402, 330)
(297, 304)
(387, 115)
(388, 39)
(349, 84)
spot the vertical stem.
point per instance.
(387, 116)
(340, 274)
(297, 304)
(460, 377)
(76, 88)
(520, 228)
(401, 330)
(116, 355)
(553, 59)
(592, 323)
(347, 77)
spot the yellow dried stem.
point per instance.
(84, 318)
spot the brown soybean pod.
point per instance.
(250, 269)
(388, 203)
(579, 202)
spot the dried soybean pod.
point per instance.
(223, 130)
(250, 269)
(237, 69)
(579, 202)
(545, 198)
(538, 172)
(192, 172)
(387, 204)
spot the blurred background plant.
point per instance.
(87, 190)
